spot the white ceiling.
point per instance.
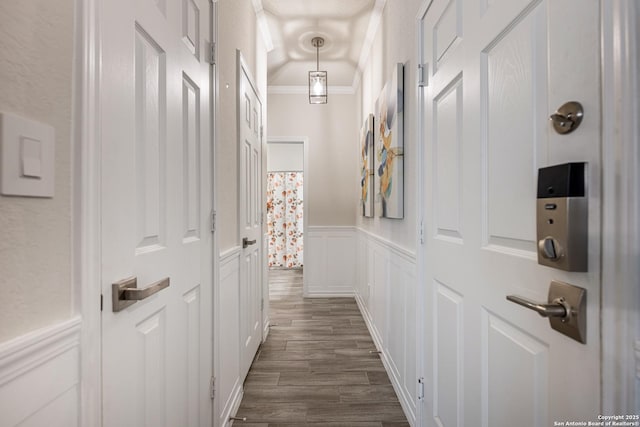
(348, 27)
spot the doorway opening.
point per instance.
(285, 204)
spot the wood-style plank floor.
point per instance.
(316, 367)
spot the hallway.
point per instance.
(316, 367)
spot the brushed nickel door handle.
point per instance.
(555, 309)
(566, 309)
(126, 293)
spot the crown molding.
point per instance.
(261, 20)
(367, 45)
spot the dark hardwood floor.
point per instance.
(317, 367)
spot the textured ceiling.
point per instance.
(292, 24)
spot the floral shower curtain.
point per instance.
(284, 219)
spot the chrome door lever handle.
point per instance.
(126, 292)
(558, 308)
(246, 242)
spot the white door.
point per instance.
(496, 70)
(250, 152)
(156, 198)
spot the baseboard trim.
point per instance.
(237, 399)
(320, 294)
(265, 330)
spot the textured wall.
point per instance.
(36, 51)
(332, 129)
(237, 30)
(395, 42)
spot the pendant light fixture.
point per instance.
(317, 79)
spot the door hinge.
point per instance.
(101, 301)
(262, 304)
(421, 388)
(212, 388)
(261, 132)
(212, 53)
(421, 232)
(213, 221)
(422, 75)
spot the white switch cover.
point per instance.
(27, 157)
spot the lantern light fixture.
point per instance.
(317, 79)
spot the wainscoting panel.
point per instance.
(386, 294)
(228, 384)
(40, 377)
(330, 261)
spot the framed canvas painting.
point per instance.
(390, 146)
(367, 167)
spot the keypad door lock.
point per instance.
(562, 226)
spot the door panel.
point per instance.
(448, 323)
(156, 183)
(514, 116)
(447, 140)
(495, 77)
(250, 116)
(512, 357)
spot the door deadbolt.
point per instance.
(550, 248)
(567, 118)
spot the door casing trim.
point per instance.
(304, 140)
(86, 206)
(620, 207)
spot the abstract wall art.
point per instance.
(367, 154)
(389, 126)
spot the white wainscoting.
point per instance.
(330, 261)
(386, 294)
(40, 377)
(228, 384)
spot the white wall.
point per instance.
(395, 42)
(285, 156)
(36, 52)
(332, 129)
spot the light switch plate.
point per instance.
(27, 157)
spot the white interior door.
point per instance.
(250, 152)
(496, 70)
(156, 195)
